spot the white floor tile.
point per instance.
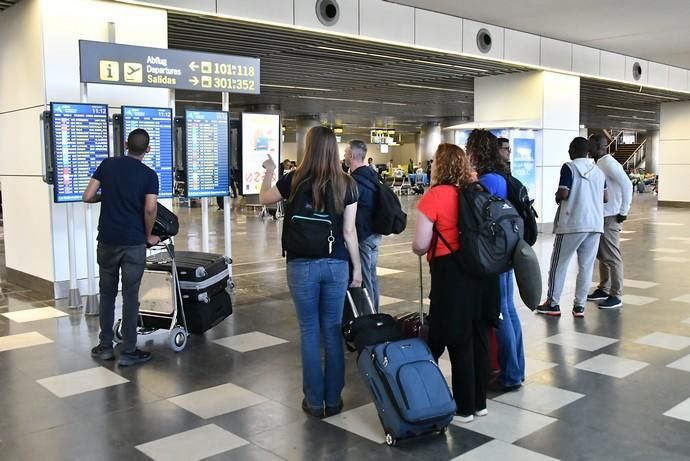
(363, 421)
(539, 398)
(382, 271)
(642, 284)
(497, 450)
(218, 400)
(31, 315)
(669, 251)
(534, 366)
(637, 300)
(581, 340)
(507, 423)
(672, 259)
(680, 411)
(21, 340)
(679, 239)
(82, 381)
(625, 239)
(427, 302)
(682, 299)
(681, 364)
(667, 224)
(610, 365)
(686, 321)
(193, 445)
(249, 341)
(627, 232)
(387, 300)
(665, 341)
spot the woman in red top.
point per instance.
(460, 302)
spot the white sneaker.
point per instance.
(483, 412)
(464, 419)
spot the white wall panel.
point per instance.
(675, 151)
(658, 75)
(674, 182)
(279, 11)
(586, 60)
(561, 101)
(348, 21)
(555, 147)
(206, 6)
(521, 47)
(675, 120)
(509, 97)
(612, 65)
(678, 79)
(26, 210)
(23, 158)
(386, 21)
(546, 206)
(556, 54)
(644, 65)
(21, 61)
(438, 31)
(469, 39)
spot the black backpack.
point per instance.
(519, 197)
(308, 233)
(389, 217)
(490, 229)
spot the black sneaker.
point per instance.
(315, 412)
(102, 352)
(136, 357)
(548, 309)
(578, 311)
(332, 411)
(598, 295)
(612, 302)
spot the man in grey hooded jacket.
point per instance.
(578, 226)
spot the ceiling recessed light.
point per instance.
(634, 117)
(375, 55)
(435, 88)
(626, 108)
(639, 93)
(455, 66)
(290, 87)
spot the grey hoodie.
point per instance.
(584, 209)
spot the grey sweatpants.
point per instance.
(585, 244)
(610, 258)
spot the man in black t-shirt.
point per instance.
(129, 201)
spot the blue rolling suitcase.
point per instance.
(409, 390)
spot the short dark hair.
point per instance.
(580, 146)
(501, 141)
(138, 141)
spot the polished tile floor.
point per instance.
(612, 386)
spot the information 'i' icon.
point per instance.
(109, 71)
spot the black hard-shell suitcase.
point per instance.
(166, 224)
(204, 316)
(201, 275)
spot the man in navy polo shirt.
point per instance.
(129, 200)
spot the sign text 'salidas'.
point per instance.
(159, 72)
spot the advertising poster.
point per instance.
(260, 137)
(523, 163)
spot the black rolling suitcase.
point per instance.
(367, 327)
(202, 316)
(166, 224)
(201, 275)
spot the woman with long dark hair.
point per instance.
(319, 237)
(482, 146)
(461, 302)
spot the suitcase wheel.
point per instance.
(117, 332)
(177, 338)
(390, 440)
(443, 430)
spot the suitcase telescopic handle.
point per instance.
(353, 305)
(421, 293)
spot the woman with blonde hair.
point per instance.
(319, 237)
(461, 303)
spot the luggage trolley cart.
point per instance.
(160, 298)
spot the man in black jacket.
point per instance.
(369, 241)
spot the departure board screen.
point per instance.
(80, 144)
(158, 124)
(207, 154)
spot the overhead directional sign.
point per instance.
(114, 64)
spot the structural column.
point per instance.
(674, 161)
(429, 140)
(304, 124)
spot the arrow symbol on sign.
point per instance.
(194, 81)
(193, 66)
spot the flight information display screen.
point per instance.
(80, 144)
(158, 124)
(207, 156)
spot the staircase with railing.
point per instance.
(629, 155)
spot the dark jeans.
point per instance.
(131, 260)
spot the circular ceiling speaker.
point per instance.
(637, 71)
(328, 12)
(484, 40)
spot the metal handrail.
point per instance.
(614, 141)
(636, 156)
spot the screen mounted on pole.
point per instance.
(207, 154)
(261, 136)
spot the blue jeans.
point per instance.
(318, 289)
(369, 255)
(511, 352)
